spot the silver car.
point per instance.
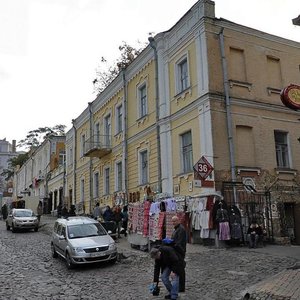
(82, 240)
(21, 218)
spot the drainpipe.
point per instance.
(125, 136)
(91, 159)
(75, 161)
(228, 110)
(153, 46)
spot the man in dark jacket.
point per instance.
(179, 244)
(167, 261)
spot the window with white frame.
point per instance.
(187, 152)
(119, 119)
(106, 181)
(82, 145)
(82, 190)
(182, 75)
(97, 134)
(282, 150)
(143, 160)
(62, 157)
(96, 185)
(119, 177)
(142, 100)
(70, 158)
(107, 131)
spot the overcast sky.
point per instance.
(50, 49)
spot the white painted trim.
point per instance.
(205, 134)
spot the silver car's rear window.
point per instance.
(85, 230)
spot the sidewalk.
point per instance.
(283, 286)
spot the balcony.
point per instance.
(98, 146)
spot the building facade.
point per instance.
(7, 151)
(206, 90)
(41, 177)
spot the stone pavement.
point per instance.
(284, 285)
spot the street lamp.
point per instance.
(296, 21)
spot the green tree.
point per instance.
(105, 74)
(35, 137)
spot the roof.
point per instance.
(76, 220)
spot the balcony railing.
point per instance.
(98, 146)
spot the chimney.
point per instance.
(13, 146)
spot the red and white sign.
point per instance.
(290, 96)
(203, 168)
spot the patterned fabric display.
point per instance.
(146, 209)
(160, 224)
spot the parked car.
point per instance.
(82, 240)
(21, 218)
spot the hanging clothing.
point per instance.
(224, 231)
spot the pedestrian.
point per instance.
(254, 232)
(108, 214)
(39, 210)
(97, 211)
(179, 244)
(59, 210)
(4, 211)
(118, 218)
(64, 212)
(170, 266)
(125, 219)
(72, 212)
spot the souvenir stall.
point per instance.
(212, 222)
(150, 221)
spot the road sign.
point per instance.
(203, 168)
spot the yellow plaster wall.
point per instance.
(181, 100)
(135, 124)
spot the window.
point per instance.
(107, 131)
(281, 145)
(62, 157)
(142, 100)
(82, 145)
(70, 158)
(97, 134)
(273, 72)
(119, 119)
(182, 75)
(82, 190)
(106, 181)
(144, 167)
(187, 152)
(237, 64)
(119, 176)
(96, 185)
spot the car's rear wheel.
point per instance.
(7, 227)
(69, 263)
(13, 229)
(53, 251)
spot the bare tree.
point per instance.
(105, 73)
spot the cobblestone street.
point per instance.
(29, 272)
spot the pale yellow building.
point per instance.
(207, 91)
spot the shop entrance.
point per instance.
(253, 205)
